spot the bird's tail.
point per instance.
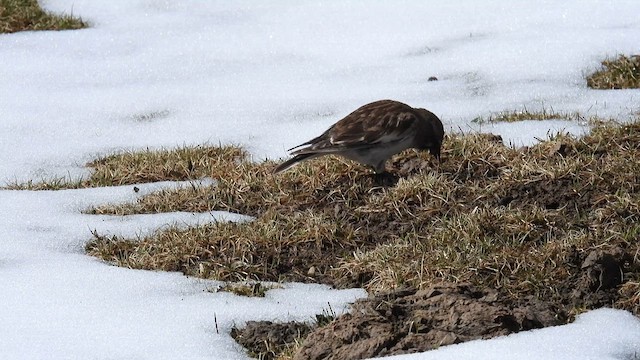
(292, 162)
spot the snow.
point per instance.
(59, 303)
(529, 132)
(158, 73)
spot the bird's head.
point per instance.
(433, 132)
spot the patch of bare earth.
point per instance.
(409, 320)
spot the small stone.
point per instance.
(311, 271)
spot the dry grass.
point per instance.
(251, 188)
(265, 340)
(620, 73)
(520, 220)
(134, 167)
(536, 115)
(25, 15)
(248, 289)
(233, 252)
(184, 163)
(522, 115)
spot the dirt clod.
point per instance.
(408, 321)
(602, 271)
(265, 339)
(549, 194)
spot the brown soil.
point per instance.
(406, 321)
(549, 194)
(265, 339)
(601, 273)
(409, 320)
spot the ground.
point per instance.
(491, 240)
(528, 237)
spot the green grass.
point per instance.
(25, 15)
(620, 73)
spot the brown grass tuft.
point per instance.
(248, 289)
(184, 163)
(620, 73)
(25, 15)
(526, 114)
(133, 167)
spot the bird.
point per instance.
(372, 134)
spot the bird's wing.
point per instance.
(386, 123)
(373, 124)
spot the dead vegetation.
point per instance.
(134, 167)
(620, 73)
(519, 220)
(526, 114)
(266, 340)
(25, 15)
(552, 228)
(248, 289)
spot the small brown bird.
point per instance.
(372, 134)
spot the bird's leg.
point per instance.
(385, 179)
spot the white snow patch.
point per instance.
(530, 132)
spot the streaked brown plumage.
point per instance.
(372, 134)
